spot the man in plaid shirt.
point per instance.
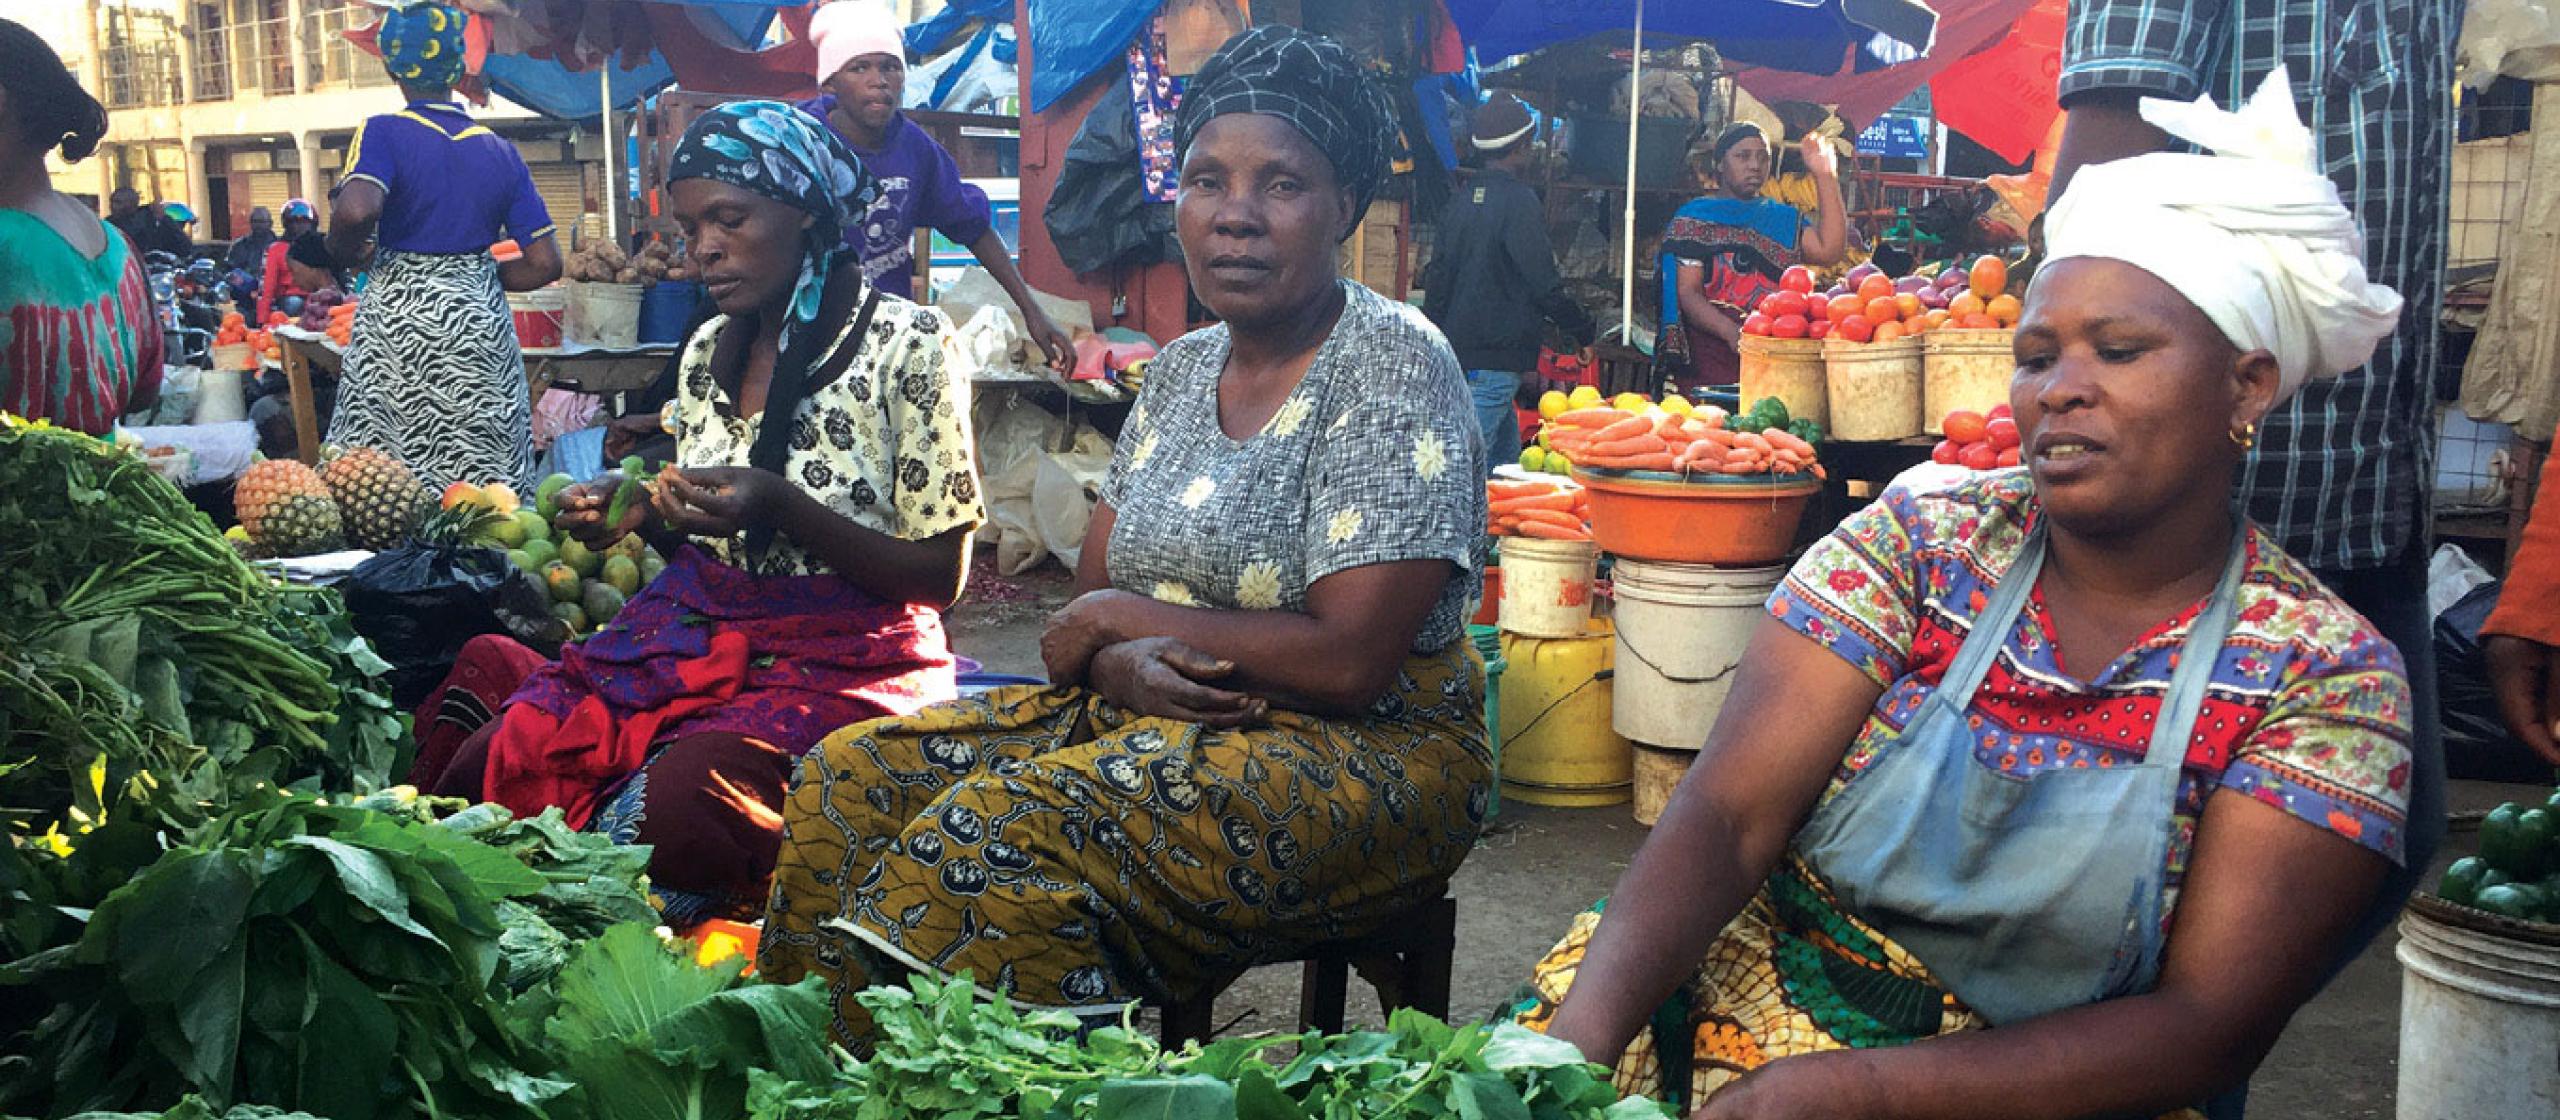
(2343, 473)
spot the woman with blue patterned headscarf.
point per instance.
(816, 518)
(433, 375)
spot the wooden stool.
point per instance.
(1407, 960)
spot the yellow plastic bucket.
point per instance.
(1557, 745)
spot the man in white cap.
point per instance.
(862, 64)
(1492, 285)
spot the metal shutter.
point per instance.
(271, 189)
(563, 187)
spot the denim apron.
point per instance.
(2022, 895)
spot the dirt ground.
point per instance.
(1536, 867)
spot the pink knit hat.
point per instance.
(850, 29)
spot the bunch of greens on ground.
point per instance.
(945, 1052)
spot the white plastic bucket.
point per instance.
(218, 397)
(1681, 631)
(2479, 1018)
(1546, 586)
(606, 315)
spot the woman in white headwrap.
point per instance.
(2069, 750)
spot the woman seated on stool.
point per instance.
(1267, 727)
(816, 522)
(2069, 750)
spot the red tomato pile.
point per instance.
(1978, 442)
(1869, 306)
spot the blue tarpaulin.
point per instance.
(1072, 40)
(1808, 36)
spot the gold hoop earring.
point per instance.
(2246, 436)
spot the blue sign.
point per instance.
(1895, 137)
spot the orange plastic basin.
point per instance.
(1734, 520)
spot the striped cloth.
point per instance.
(2343, 472)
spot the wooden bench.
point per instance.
(1407, 960)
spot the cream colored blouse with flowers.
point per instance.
(885, 443)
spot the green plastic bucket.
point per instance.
(1488, 641)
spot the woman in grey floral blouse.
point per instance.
(1266, 729)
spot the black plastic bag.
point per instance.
(1099, 215)
(419, 603)
(2477, 745)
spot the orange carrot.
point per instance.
(1551, 517)
(1641, 445)
(1753, 441)
(1553, 500)
(1543, 531)
(1785, 440)
(1500, 489)
(1591, 417)
(1626, 429)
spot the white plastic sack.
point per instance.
(1065, 491)
(1014, 436)
(975, 289)
(986, 344)
(980, 86)
(2451, 574)
(2514, 38)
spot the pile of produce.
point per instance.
(1685, 440)
(2517, 873)
(331, 312)
(944, 1052)
(1869, 306)
(604, 262)
(1977, 441)
(360, 497)
(235, 331)
(1548, 510)
(586, 587)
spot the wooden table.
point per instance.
(299, 351)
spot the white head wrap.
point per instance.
(849, 29)
(2254, 235)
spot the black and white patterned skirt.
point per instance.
(434, 377)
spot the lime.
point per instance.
(1533, 459)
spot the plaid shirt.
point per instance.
(2344, 471)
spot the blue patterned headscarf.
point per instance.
(422, 44)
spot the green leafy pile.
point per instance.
(143, 662)
(944, 1052)
(1770, 412)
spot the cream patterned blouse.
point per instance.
(885, 443)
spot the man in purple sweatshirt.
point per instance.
(862, 64)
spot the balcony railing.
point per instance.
(334, 62)
(263, 53)
(213, 63)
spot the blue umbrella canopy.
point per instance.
(1808, 36)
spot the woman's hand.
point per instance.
(1830, 1086)
(1821, 160)
(2524, 676)
(583, 506)
(1052, 340)
(721, 501)
(1163, 677)
(1081, 629)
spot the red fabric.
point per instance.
(1447, 52)
(277, 281)
(487, 671)
(1964, 27)
(2529, 606)
(2003, 96)
(787, 71)
(537, 760)
(69, 365)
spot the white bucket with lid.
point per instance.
(1547, 586)
(2479, 1015)
(1681, 632)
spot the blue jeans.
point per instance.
(1494, 390)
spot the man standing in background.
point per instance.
(1492, 285)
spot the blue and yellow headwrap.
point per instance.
(422, 44)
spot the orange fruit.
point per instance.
(1977, 322)
(2006, 309)
(1910, 305)
(1844, 306)
(1883, 309)
(1876, 286)
(1965, 303)
(1936, 319)
(1989, 277)
(1887, 332)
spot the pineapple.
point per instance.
(263, 489)
(378, 498)
(303, 525)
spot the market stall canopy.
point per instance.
(1992, 77)
(1074, 39)
(1810, 36)
(545, 54)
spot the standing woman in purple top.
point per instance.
(434, 376)
(862, 63)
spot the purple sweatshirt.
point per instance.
(919, 186)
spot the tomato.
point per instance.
(1946, 452)
(1978, 457)
(1781, 304)
(1817, 309)
(1855, 328)
(1887, 332)
(1820, 328)
(1797, 279)
(1875, 287)
(1935, 319)
(1908, 306)
(1963, 426)
(1788, 326)
(2001, 411)
(1843, 306)
(1965, 303)
(1977, 322)
(2004, 308)
(1882, 310)
(1755, 323)
(1988, 277)
(2003, 433)
(2008, 457)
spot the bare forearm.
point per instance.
(1684, 885)
(2103, 127)
(1291, 659)
(1830, 241)
(2164, 1052)
(1700, 312)
(928, 572)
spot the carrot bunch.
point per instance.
(342, 324)
(1697, 443)
(1554, 511)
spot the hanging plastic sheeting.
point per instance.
(936, 33)
(1807, 36)
(974, 78)
(1099, 215)
(1076, 39)
(1965, 27)
(543, 54)
(2508, 379)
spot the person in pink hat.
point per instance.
(862, 65)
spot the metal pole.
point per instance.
(1635, 115)
(612, 186)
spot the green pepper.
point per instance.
(2501, 842)
(2461, 882)
(2537, 838)
(634, 479)
(2511, 900)
(1809, 431)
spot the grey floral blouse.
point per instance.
(1370, 461)
(885, 443)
